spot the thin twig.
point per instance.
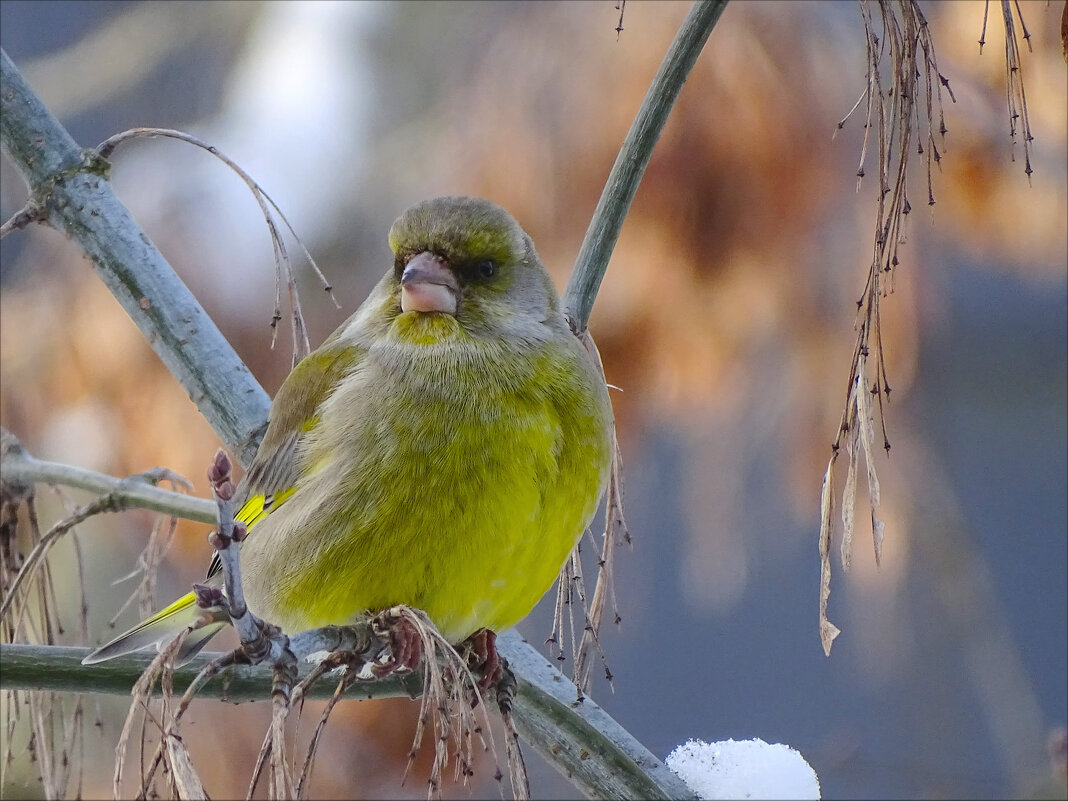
(283, 265)
(634, 155)
(902, 107)
(137, 491)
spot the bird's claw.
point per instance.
(405, 645)
(483, 658)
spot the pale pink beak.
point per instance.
(427, 285)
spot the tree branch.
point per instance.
(139, 491)
(59, 669)
(633, 158)
(70, 184)
(580, 739)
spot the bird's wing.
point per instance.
(272, 477)
(269, 482)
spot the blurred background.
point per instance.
(726, 318)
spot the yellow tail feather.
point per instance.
(184, 612)
(162, 626)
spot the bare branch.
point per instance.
(136, 491)
(71, 183)
(282, 264)
(904, 110)
(630, 164)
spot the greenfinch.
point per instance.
(444, 448)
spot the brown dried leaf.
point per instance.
(877, 527)
(142, 695)
(281, 783)
(865, 422)
(447, 687)
(849, 500)
(517, 767)
(182, 772)
(828, 631)
(866, 419)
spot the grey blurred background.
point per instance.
(726, 318)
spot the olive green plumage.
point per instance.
(444, 448)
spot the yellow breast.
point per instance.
(445, 476)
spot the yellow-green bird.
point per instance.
(444, 448)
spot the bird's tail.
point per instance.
(162, 626)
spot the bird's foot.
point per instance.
(405, 644)
(482, 658)
(485, 661)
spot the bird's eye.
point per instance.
(487, 268)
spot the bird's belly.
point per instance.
(462, 513)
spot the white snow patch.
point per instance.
(744, 769)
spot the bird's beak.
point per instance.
(428, 285)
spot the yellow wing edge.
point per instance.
(184, 612)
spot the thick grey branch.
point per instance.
(70, 184)
(60, 669)
(580, 739)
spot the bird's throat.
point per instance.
(427, 328)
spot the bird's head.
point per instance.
(468, 258)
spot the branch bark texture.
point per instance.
(69, 184)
